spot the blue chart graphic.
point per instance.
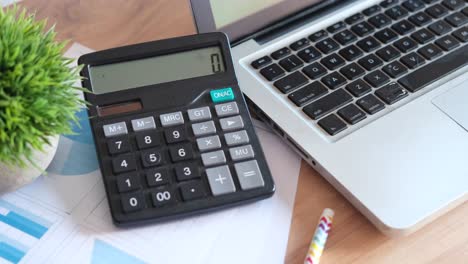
(104, 253)
(20, 221)
(76, 154)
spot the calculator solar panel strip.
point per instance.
(167, 102)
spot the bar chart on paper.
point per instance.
(20, 230)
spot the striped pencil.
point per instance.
(320, 237)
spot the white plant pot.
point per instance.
(12, 178)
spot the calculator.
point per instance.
(172, 131)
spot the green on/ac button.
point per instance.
(222, 95)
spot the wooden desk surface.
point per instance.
(101, 24)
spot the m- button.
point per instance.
(227, 109)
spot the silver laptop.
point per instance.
(373, 94)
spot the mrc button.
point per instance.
(171, 119)
(222, 95)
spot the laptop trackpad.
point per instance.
(454, 103)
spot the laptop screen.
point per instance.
(243, 17)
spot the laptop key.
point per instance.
(423, 36)
(403, 27)
(370, 62)
(395, 69)
(291, 63)
(327, 45)
(447, 43)
(413, 60)
(370, 104)
(386, 35)
(351, 114)
(345, 37)
(332, 124)
(362, 29)
(327, 104)
(396, 12)
(433, 71)
(440, 27)
(350, 53)
(436, 11)
(405, 44)
(263, 61)
(457, 19)
(465, 11)
(299, 44)
(309, 54)
(308, 93)
(413, 5)
(461, 34)
(430, 51)
(333, 80)
(453, 4)
(391, 93)
(336, 27)
(272, 72)
(333, 61)
(388, 53)
(354, 19)
(371, 10)
(420, 19)
(352, 71)
(314, 70)
(318, 35)
(380, 20)
(388, 3)
(290, 82)
(368, 44)
(359, 88)
(377, 78)
(281, 53)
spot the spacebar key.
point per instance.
(435, 70)
(327, 104)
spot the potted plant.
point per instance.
(38, 99)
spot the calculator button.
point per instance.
(249, 175)
(133, 202)
(204, 128)
(171, 119)
(208, 143)
(157, 177)
(227, 109)
(220, 180)
(192, 190)
(222, 95)
(186, 172)
(199, 114)
(143, 124)
(115, 129)
(231, 123)
(213, 158)
(118, 145)
(181, 152)
(123, 163)
(175, 134)
(147, 139)
(162, 196)
(236, 138)
(241, 153)
(151, 157)
(128, 182)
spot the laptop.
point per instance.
(372, 94)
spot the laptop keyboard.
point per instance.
(358, 67)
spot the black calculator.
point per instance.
(172, 130)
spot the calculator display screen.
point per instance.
(154, 70)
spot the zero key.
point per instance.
(133, 202)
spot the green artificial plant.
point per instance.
(38, 99)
